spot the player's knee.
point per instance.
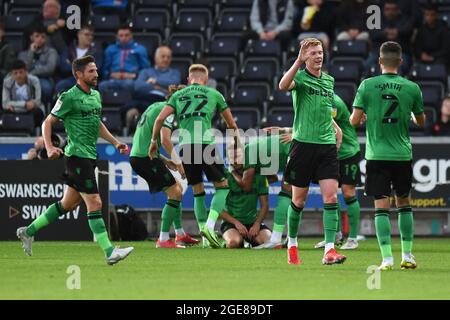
(175, 192)
(198, 188)
(234, 243)
(95, 204)
(299, 202)
(330, 198)
(402, 201)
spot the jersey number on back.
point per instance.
(387, 118)
(203, 102)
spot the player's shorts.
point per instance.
(154, 171)
(349, 171)
(383, 176)
(310, 162)
(80, 174)
(197, 161)
(225, 226)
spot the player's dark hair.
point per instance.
(391, 53)
(124, 26)
(39, 28)
(81, 63)
(18, 64)
(395, 2)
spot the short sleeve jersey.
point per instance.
(194, 107)
(313, 101)
(244, 206)
(142, 136)
(388, 101)
(350, 145)
(266, 152)
(81, 112)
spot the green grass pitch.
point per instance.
(196, 273)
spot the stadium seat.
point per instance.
(429, 72)
(224, 45)
(222, 69)
(16, 6)
(280, 117)
(263, 48)
(16, 124)
(343, 71)
(236, 3)
(15, 39)
(105, 22)
(351, 48)
(247, 118)
(154, 3)
(431, 115)
(17, 22)
(195, 3)
(113, 121)
(182, 64)
(156, 20)
(445, 16)
(347, 91)
(233, 20)
(151, 41)
(115, 98)
(186, 44)
(432, 93)
(251, 94)
(104, 39)
(281, 99)
(257, 69)
(223, 89)
(193, 20)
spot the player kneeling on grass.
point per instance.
(241, 221)
(81, 109)
(155, 171)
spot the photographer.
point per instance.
(39, 152)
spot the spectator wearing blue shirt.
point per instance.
(152, 84)
(123, 61)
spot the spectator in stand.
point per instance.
(271, 20)
(22, 93)
(442, 127)
(316, 19)
(152, 85)
(432, 40)
(123, 61)
(394, 27)
(83, 47)
(54, 24)
(351, 20)
(410, 9)
(7, 54)
(41, 61)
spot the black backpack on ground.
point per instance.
(131, 226)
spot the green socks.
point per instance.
(406, 228)
(200, 209)
(383, 230)
(169, 212)
(177, 221)
(294, 219)
(330, 221)
(354, 214)
(50, 215)
(281, 211)
(98, 228)
(217, 204)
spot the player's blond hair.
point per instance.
(314, 41)
(198, 70)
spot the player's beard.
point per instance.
(92, 83)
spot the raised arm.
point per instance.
(287, 81)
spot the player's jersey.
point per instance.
(244, 206)
(313, 101)
(81, 113)
(266, 152)
(388, 101)
(350, 144)
(194, 107)
(143, 135)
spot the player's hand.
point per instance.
(254, 230)
(122, 147)
(286, 138)
(54, 153)
(303, 54)
(241, 229)
(152, 150)
(271, 130)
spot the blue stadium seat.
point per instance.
(280, 117)
(193, 20)
(105, 22)
(224, 45)
(246, 117)
(156, 20)
(186, 44)
(182, 64)
(151, 41)
(251, 94)
(432, 93)
(347, 91)
(17, 22)
(115, 98)
(195, 3)
(257, 69)
(351, 48)
(429, 72)
(281, 99)
(233, 20)
(236, 3)
(20, 6)
(263, 48)
(222, 69)
(112, 121)
(342, 71)
(16, 124)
